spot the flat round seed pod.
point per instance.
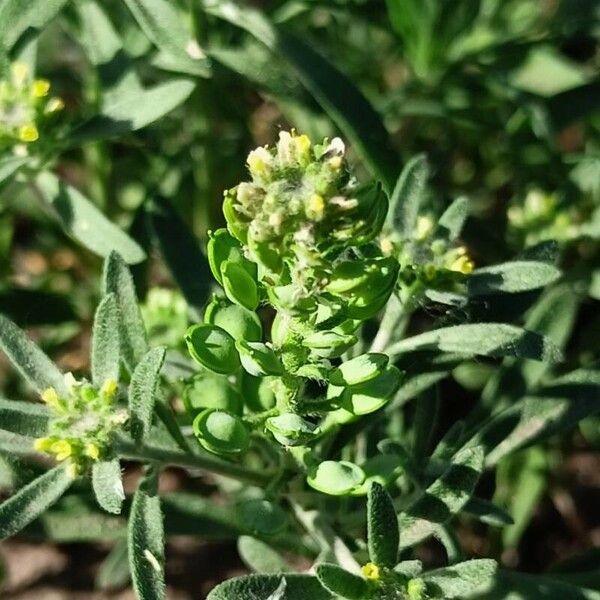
(213, 348)
(370, 396)
(239, 322)
(240, 287)
(221, 432)
(359, 369)
(290, 429)
(210, 390)
(336, 478)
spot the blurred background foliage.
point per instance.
(503, 96)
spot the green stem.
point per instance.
(131, 451)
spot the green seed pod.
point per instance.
(265, 253)
(213, 348)
(258, 392)
(337, 478)
(329, 344)
(239, 322)
(261, 517)
(221, 432)
(240, 287)
(209, 390)
(235, 224)
(284, 297)
(222, 247)
(359, 369)
(347, 276)
(258, 358)
(290, 429)
(371, 395)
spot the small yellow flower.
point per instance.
(40, 88)
(28, 133)
(335, 162)
(371, 571)
(316, 207)
(259, 161)
(463, 264)
(20, 71)
(54, 105)
(110, 387)
(424, 226)
(50, 397)
(92, 451)
(43, 444)
(62, 449)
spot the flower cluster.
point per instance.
(83, 423)
(300, 210)
(25, 104)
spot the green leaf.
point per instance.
(108, 486)
(342, 583)
(32, 500)
(464, 578)
(118, 281)
(453, 218)
(131, 110)
(142, 392)
(105, 342)
(17, 16)
(444, 498)
(213, 348)
(270, 587)
(30, 361)
(10, 164)
(260, 557)
(555, 408)
(162, 24)
(146, 540)
(511, 278)
(179, 247)
(24, 418)
(261, 517)
(82, 220)
(98, 36)
(382, 525)
(345, 104)
(487, 512)
(483, 339)
(408, 196)
(114, 573)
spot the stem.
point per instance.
(131, 451)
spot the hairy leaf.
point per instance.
(260, 557)
(146, 541)
(118, 281)
(32, 500)
(142, 392)
(24, 418)
(341, 582)
(108, 486)
(31, 362)
(464, 578)
(382, 524)
(105, 342)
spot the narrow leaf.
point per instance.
(483, 339)
(382, 524)
(11, 164)
(31, 362)
(108, 486)
(118, 281)
(132, 110)
(82, 220)
(452, 220)
(146, 541)
(105, 342)
(444, 498)
(511, 277)
(408, 196)
(142, 392)
(345, 104)
(32, 500)
(24, 418)
(114, 573)
(341, 582)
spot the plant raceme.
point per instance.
(301, 368)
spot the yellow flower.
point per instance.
(92, 451)
(463, 264)
(110, 387)
(50, 397)
(316, 207)
(62, 449)
(371, 571)
(28, 133)
(40, 88)
(335, 162)
(424, 226)
(42, 444)
(54, 105)
(259, 161)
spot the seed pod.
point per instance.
(209, 390)
(239, 322)
(329, 344)
(359, 369)
(221, 432)
(337, 478)
(213, 348)
(370, 396)
(258, 358)
(239, 285)
(222, 247)
(290, 429)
